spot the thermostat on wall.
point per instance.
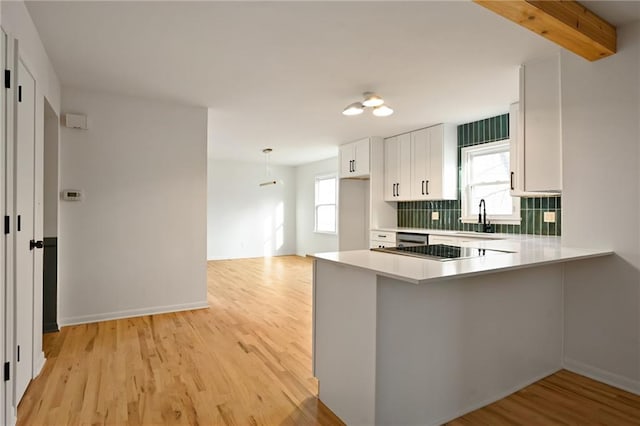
(75, 121)
(72, 195)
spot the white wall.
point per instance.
(136, 244)
(308, 241)
(601, 208)
(246, 220)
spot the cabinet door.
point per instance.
(361, 158)
(403, 188)
(419, 164)
(540, 101)
(434, 184)
(346, 160)
(391, 167)
(443, 162)
(515, 150)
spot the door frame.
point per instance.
(9, 58)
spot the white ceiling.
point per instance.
(278, 74)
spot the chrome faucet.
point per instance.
(482, 216)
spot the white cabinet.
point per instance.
(434, 163)
(382, 239)
(361, 205)
(397, 168)
(538, 133)
(422, 165)
(354, 159)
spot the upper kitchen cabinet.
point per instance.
(397, 168)
(354, 159)
(434, 163)
(538, 137)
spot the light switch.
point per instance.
(435, 215)
(549, 217)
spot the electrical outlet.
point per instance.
(549, 217)
(435, 215)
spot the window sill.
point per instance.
(325, 232)
(493, 221)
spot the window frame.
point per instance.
(466, 154)
(317, 179)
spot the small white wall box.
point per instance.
(72, 195)
(75, 121)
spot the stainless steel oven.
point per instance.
(408, 239)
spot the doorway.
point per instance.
(50, 217)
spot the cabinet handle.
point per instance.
(394, 189)
(422, 187)
(398, 189)
(512, 188)
(427, 186)
(354, 165)
(382, 236)
(350, 166)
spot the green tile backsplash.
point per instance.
(417, 214)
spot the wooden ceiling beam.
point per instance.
(565, 22)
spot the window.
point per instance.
(326, 211)
(486, 175)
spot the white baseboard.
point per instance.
(603, 376)
(38, 364)
(495, 398)
(133, 313)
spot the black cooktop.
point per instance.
(439, 251)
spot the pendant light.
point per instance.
(267, 170)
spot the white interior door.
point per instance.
(4, 179)
(24, 226)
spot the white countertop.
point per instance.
(528, 251)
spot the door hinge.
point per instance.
(18, 357)
(7, 223)
(19, 93)
(7, 371)
(7, 79)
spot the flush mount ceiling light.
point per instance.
(371, 100)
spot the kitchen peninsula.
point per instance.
(405, 340)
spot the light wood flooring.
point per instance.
(247, 361)
(563, 398)
(244, 361)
